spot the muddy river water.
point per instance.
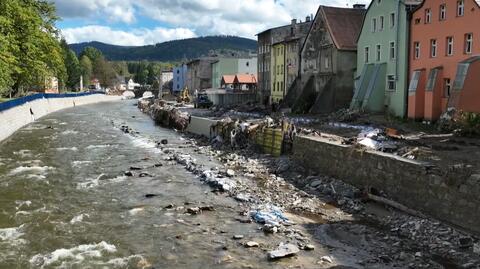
(66, 203)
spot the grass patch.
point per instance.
(4, 99)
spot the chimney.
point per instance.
(359, 6)
(294, 21)
(307, 19)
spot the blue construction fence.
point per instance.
(23, 100)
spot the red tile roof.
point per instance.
(246, 79)
(344, 25)
(228, 79)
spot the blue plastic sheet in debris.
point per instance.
(272, 216)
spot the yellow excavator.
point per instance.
(184, 97)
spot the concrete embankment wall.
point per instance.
(18, 113)
(449, 196)
(228, 99)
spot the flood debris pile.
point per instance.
(165, 114)
(460, 122)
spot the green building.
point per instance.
(232, 66)
(382, 60)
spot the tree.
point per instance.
(72, 66)
(32, 51)
(86, 69)
(92, 53)
(103, 71)
(121, 68)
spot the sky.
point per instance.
(145, 22)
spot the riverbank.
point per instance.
(336, 215)
(17, 113)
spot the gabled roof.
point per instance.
(344, 25)
(228, 79)
(245, 79)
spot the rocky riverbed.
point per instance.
(319, 214)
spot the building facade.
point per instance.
(265, 53)
(277, 74)
(179, 77)
(382, 60)
(199, 74)
(444, 58)
(165, 78)
(328, 59)
(232, 66)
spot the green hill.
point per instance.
(174, 50)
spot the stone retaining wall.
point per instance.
(16, 117)
(451, 196)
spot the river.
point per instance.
(66, 203)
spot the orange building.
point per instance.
(444, 50)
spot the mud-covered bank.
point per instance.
(365, 234)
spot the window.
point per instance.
(447, 86)
(248, 64)
(391, 84)
(414, 82)
(379, 52)
(443, 12)
(327, 63)
(367, 49)
(392, 20)
(382, 22)
(468, 43)
(433, 48)
(462, 71)
(374, 25)
(428, 15)
(417, 50)
(449, 51)
(418, 20)
(432, 78)
(392, 50)
(460, 8)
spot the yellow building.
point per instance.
(278, 73)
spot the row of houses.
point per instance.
(402, 57)
(207, 72)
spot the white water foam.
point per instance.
(99, 146)
(80, 163)
(21, 204)
(135, 211)
(24, 153)
(118, 179)
(66, 149)
(68, 257)
(90, 183)
(79, 218)
(69, 132)
(36, 170)
(145, 143)
(12, 235)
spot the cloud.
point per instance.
(135, 37)
(204, 17)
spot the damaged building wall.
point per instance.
(451, 195)
(328, 57)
